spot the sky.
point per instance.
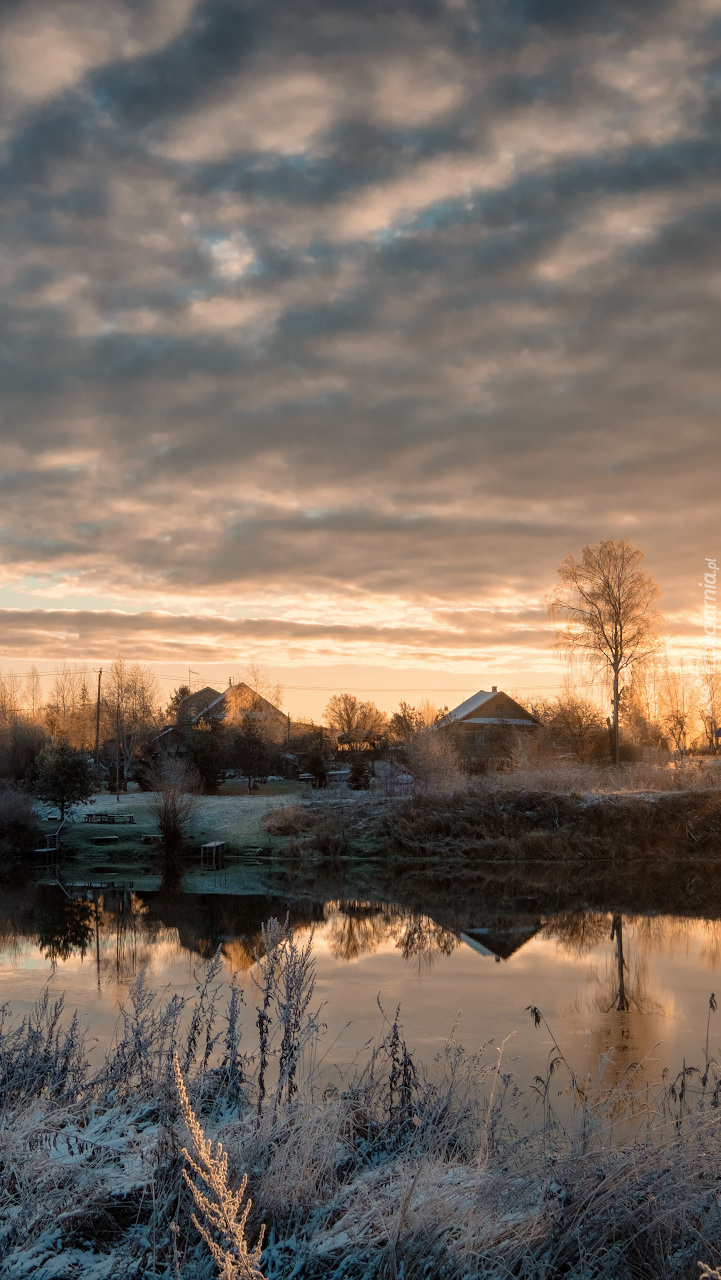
(329, 328)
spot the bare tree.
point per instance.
(33, 693)
(10, 697)
(257, 678)
(130, 708)
(358, 723)
(433, 762)
(677, 707)
(69, 709)
(709, 706)
(606, 602)
(642, 704)
(174, 802)
(574, 725)
(408, 720)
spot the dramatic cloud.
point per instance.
(330, 328)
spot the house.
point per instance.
(484, 709)
(193, 707)
(230, 708)
(503, 941)
(211, 706)
(488, 729)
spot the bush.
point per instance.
(433, 762)
(174, 803)
(18, 821)
(574, 727)
(288, 820)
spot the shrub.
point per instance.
(174, 802)
(287, 820)
(433, 762)
(18, 820)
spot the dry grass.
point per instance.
(290, 820)
(569, 777)
(225, 1212)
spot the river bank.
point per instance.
(517, 849)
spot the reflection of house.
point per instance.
(486, 709)
(499, 942)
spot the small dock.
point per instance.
(212, 854)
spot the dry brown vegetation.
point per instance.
(505, 844)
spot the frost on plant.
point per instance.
(225, 1211)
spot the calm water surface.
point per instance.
(639, 985)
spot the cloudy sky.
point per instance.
(329, 328)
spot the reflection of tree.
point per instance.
(626, 984)
(579, 932)
(355, 931)
(621, 1001)
(65, 925)
(424, 940)
(124, 935)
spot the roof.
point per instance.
(470, 704)
(231, 704)
(501, 943)
(508, 711)
(192, 706)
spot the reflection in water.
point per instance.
(64, 926)
(128, 927)
(625, 1006)
(610, 979)
(620, 998)
(357, 929)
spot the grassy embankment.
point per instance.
(518, 848)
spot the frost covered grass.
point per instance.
(391, 1171)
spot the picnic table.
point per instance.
(109, 817)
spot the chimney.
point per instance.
(494, 688)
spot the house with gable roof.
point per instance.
(209, 706)
(488, 726)
(484, 709)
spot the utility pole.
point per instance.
(97, 729)
(117, 749)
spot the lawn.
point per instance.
(234, 818)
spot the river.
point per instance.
(636, 985)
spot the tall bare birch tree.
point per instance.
(606, 604)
